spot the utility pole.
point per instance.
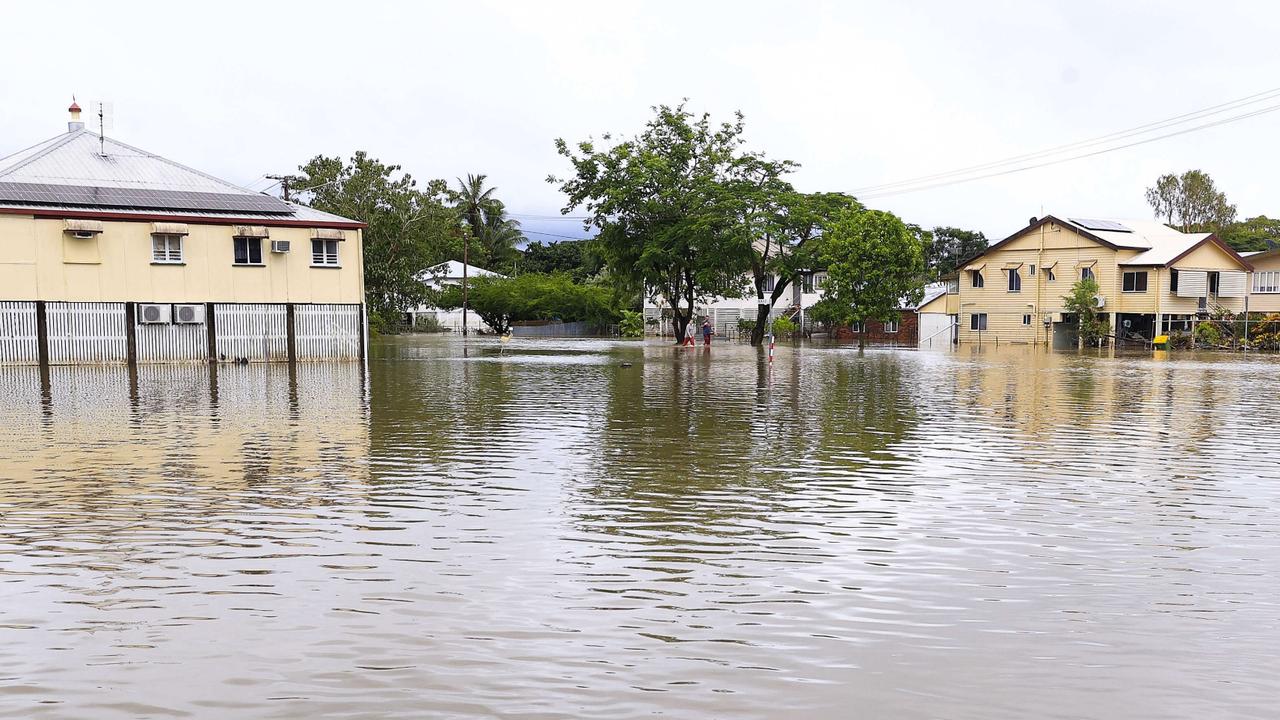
(466, 258)
(284, 184)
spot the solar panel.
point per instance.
(1108, 225)
(140, 199)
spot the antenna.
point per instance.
(106, 121)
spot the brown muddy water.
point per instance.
(544, 533)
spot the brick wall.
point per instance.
(908, 331)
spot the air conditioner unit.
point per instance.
(1101, 301)
(153, 314)
(192, 314)
(279, 246)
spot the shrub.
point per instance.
(784, 326)
(1207, 333)
(632, 324)
(746, 325)
(427, 324)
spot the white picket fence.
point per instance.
(258, 332)
(172, 343)
(19, 344)
(326, 332)
(86, 333)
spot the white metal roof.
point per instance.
(1159, 242)
(452, 270)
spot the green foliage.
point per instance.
(1192, 201)
(1208, 333)
(427, 324)
(746, 325)
(1266, 333)
(409, 229)
(827, 312)
(874, 263)
(666, 222)
(1082, 302)
(783, 326)
(947, 247)
(1181, 341)
(576, 258)
(632, 324)
(496, 237)
(1253, 234)
(500, 301)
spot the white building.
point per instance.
(449, 274)
(724, 313)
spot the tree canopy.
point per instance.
(665, 222)
(947, 247)
(874, 264)
(574, 257)
(500, 301)
(496, 237)
(409, 228)
(1256, 233)
(1083, 303)
(1191, 201)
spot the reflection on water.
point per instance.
(539, 530)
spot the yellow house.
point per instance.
(1264, 288)
(109, 253)
(1152, 279)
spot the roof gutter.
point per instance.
(192, 219)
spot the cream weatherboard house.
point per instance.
(111, 254)
(1152, 279)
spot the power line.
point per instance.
(1224, 121)
(1090, 142)
(563, 237)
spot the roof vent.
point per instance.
(75, 123)
(1033, 220)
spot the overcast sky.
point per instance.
(859, 93)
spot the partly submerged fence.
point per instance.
(559, 329)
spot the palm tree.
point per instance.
(500, 236)
(473, 200)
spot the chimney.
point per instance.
(75, 123)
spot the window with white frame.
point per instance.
(1026, 319)
(856, 326)
(1015, 280)
(166, 249)
(1048, 275)
(975, 278)
(1267, 281)
(891, 326)
(248, 251)
(978, 321)
(1086, 273)
(324, 252)
(1135, 282)
(768, 284)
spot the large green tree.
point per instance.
(575, 257)
(947, 247)
(665, 224)
(500, 301)
(496, 237)
(874, 263)
(409, 228)
(1191, 201)
(1255, 233)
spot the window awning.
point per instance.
(82, 226)
(975, 267)
(167, 228)
(252, 231)
(328, 234)
(1086, 263)
(1050, 266)
(1012, 265)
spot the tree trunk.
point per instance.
(680, 323)
(862, 335)
(762, 324)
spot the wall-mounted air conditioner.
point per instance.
(188, 314)
(150, 314)
(279, 246)
(1100, 301)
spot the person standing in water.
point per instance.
(707, 332)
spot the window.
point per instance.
(1026, 319)
(324, 252)
(975, 278)
(891, 326)
(978, 321)
(166, 249)
(1015, 281)
(1048, 275)
(807, 283)
(1086, 273)
(820, 279)
(768, 283)
(1266, 282)
(248, 251)
(856, 326)
(1135, 282)
(1173, 281)
(1213, 282)
(1032, 271)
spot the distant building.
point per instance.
(1152, 279)
(1264, 286)
(925, 324)
(111, 254)
(804, 292)
(449, 274)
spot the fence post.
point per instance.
(131, 333)
(42, 334)
(211, 329)
(291, 339)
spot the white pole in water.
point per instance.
(771, 346)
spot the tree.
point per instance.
(409, 229)
(665, 224)
(574, 257)
(874, 265)
(485, 217)
(949, 246)
(1256, 233)
(1192, 201)
(500, 301)
(1083, 303)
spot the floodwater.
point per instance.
(538, 531)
